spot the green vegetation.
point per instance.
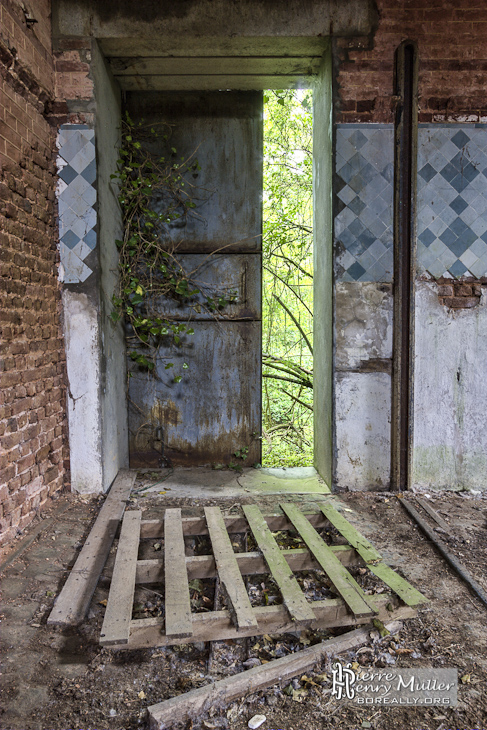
(288, 280)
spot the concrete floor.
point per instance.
(203, 482)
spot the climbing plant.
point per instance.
(156, 192)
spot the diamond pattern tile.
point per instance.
(364, 186)
(76, 199)
(452, 200)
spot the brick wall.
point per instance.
(452, 44)
(33, 424)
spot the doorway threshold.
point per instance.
(204, 482)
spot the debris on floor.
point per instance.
(59, 676)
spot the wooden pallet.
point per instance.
(175, 570)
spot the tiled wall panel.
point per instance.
(76, 197)
(452, 200)
(364, 188)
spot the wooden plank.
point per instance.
(228, 571)
(177, 600)
(218, 625)
(364, 548)
(118, 614)
(373, 559)
(399, 585)
(72, 603)
(252, 563)
(346, 586)
(434, 514)
(294, 599)
(197, 702)
(197, 525)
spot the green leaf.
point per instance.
(178, 378)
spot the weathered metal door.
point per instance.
(215, 410)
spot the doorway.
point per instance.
(287, 269)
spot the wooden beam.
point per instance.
(212, 83)
(211, 65)
(253, 563)
(176, 589)
(344, 583)
(72, 603)
(364, 548)
(434, 514)
(197, 702)
(294, 599)
(118, 614)
(229, 574)
(447, 554)
(218, 625)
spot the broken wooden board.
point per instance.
(72, 603)
(116, 622)
(177, 600)
(229, 573)
(199, 701)
(352, 607)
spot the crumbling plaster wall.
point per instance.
(90, 222)
(450, 438)
(450, 244)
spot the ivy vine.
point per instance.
(154, 192)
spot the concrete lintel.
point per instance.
(188, 19)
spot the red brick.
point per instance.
(461, 302)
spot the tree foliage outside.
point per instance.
(287, 359)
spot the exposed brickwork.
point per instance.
(32, 410)
(463, 294)
(452, 45)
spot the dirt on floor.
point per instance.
(55, 679)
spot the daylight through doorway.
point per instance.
(287, 303)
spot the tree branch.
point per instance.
(305, 337)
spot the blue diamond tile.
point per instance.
(356, 227)
(448, 237)
(367, 239)
(356, 271)
(427, 237)
(469, 172)
(460, 246)
(67, 174)
(460, 139)
(458, 269)
(70, 239)
(449, 172)
(459, 183)
(90, 239)
(89, 173)
(356, 205)
(459, 227)
(427, 172)
(458, 205)
(358, 139)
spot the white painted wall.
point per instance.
(81, 336)
(363, 343)
(450, 394)
(363, 430)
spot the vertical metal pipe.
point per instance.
(404, 216)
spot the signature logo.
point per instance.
(343, 679)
